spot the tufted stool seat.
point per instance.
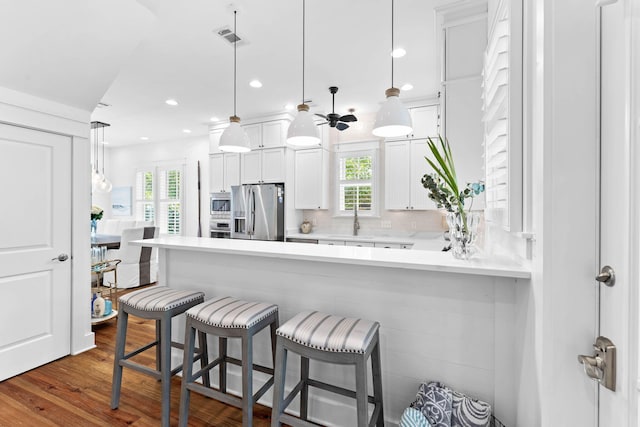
(332, 339)
(227, 317)
(161, 304)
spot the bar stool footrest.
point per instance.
(291, 420)
(335, 389)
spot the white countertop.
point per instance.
(375, 257)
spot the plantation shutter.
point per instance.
(145, 210)
(170, 190)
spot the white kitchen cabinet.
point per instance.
(263, 166)
(311, 178)
(224, 171)
(425, 122)
(394, 245)
(267, 134)
(331, 242)
(404, 168)
(360, 244)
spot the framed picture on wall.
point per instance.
(121, 201)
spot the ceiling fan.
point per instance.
(335, 120)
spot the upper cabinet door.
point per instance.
(310, 179)
(254, 132)
(231, 170)
(397, 192)
(273, 165)
(251, 169)
(425, 121)
(274, 134)
(216, 173)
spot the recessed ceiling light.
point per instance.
(214, 119)
(186, 130)
(398, 52)
(289, 107)
(255, 83)
(406, 86)
(144, 138)
(171, 102)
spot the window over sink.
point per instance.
(356, 179)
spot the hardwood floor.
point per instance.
(76, 391)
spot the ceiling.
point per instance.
(135, 55)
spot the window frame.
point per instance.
(157, 201)
(358, 149)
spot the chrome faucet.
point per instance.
(356, 224)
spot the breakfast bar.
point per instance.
(442, 319)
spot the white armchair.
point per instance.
(139, 265)
(115, 226)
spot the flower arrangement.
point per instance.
(444, 189)
(96, 213)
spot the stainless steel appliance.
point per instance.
(220, 215)
(257, 212)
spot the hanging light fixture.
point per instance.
(234, 139)
(99, 182)
(393, 119)
(303, 131)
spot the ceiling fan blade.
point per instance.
(348, 118)
(322, 115)
(320, 124)
(342, 126)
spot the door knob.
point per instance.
(61, 258)
(607, 276)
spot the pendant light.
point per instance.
(303, 131)
(393, 119)
(234, 139)
(99, 182)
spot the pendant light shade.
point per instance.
(303, 131)
(234, 139)
(393, 119)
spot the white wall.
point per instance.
(122, 163)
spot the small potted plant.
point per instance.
(444, 190)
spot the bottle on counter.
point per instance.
(98, 306)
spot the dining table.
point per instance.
(110, 241)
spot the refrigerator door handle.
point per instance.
(253, 211)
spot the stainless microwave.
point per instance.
(220, 205)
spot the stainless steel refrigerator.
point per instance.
(257, 211)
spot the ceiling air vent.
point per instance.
(231, 37)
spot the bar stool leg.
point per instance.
(280, 369)
(165, 351)
(222, 354)
(361, 391)
(158, 349)
(121, 337)
(187, 373)
(204, 357)
(304, 392)
(376, 371)
(247, 379)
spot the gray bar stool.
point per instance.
(332, 339)
(161, 304)
(227, 317)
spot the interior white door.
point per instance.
(35, 248)
(616, 305)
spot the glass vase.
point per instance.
(463, 231)
(94, 227)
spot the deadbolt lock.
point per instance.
(601, 366)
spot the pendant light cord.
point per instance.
(303, 43)
(392, 44)
(103, 153)
(235, 46)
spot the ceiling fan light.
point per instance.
(393, 118)
(234, 139)
(303, 131)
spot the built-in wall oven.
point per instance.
(220, 215)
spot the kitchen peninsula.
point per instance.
(441, 319)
